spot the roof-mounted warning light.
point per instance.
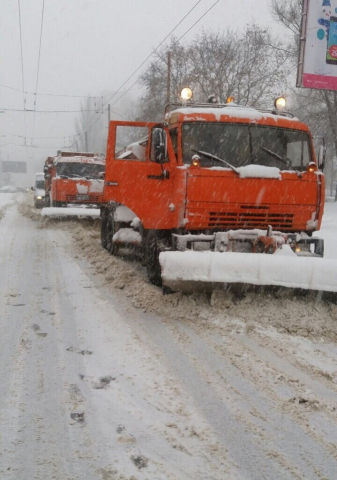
(186, 94)
(212, 99)
(280, 103)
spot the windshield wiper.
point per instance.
(283, 160)
(214, 157)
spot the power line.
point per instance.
(22, 74)
(54, 94)
(45, 111)
(175, 43)
(21, 136)
(147, 58)
(38, 64)
(161, 57)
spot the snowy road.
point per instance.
(104, 378)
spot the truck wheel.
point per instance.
(152, 252)
(110, 232)
(47, 201)
(104, 224)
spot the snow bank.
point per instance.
(71, 212)
(256, 269)
(6, 198)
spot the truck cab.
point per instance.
(74, 178)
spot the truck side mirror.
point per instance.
(159, 146)
(45, 169)
(321, 157)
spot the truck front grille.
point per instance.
(235, 220)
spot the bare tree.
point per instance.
(152, 104)
(245, 66)
(316, 107)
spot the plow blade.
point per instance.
(190, 270)
(70, 212)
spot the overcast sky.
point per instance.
(89, 47)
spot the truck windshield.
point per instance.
(80, 170)
(39, 184)
(242, 145)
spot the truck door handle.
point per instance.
(165, 175)
(112, 184)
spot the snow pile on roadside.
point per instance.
(294, 315)
(125, 275)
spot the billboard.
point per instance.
(317, 66)
(14, 167)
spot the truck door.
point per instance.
(134, 179)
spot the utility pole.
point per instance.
(86, 141)
(109, 115)
(168, 91)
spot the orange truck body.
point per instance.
(73, 179)
(187, 198)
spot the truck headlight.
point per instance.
(39, 198)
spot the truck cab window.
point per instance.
(131, 143)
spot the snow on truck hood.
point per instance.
(89, 186)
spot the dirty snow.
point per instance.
(104, 378)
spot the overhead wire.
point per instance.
(53, 94)
(38, 64)
(161, 57)
(22, 70)
(175, 43)
(144, 61)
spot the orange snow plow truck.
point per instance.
(218, 194)
(74, 179)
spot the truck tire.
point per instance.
(47, 201)
(104, 224)
(110, 232)
(152, 251)
(320, 248)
